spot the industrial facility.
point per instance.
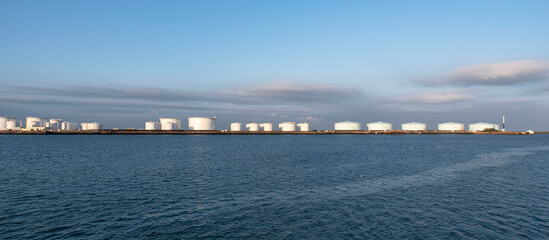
(9, 123)
(414, 126)
(59, 125)
(207, 125)
(347, 126)
(481, 126)
(202, 123)
(36, 124)
(380, 126)
(451, 126)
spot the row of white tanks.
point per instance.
(414, 126)
(59, 124)
(268, 127)
(37, 123)
(352, 126)
(195, 123)
(7, 123)
(208, 123)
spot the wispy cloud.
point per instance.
(502, 73)
(153, 94)
(544, 88)
(438, 97)
(511, 100)
(282, 92)
(297, 92)
(308, 119)
(277, 98)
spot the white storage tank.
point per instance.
(235, 127)
(480, 126)
(36, 122)
(202, 123)
(33, 124)
(303, 127)
(451, 126)
(170, 123)
(11, 125)
(380, 126)
(287, 126)
(414, 126)
(169, 126)
(151, 125)
(94, 126)
(69, 126)
(55, 124)
(267, 127)
(346, 126)
(252, 127)
(4, 122)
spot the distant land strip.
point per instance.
(224, 132)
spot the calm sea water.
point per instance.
(274, 187)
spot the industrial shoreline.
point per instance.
(225, 132)
(206, 125)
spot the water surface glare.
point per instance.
(288, 186)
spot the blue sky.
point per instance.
(127, 62)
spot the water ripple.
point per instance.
(166, 187)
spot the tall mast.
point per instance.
(504, 123)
